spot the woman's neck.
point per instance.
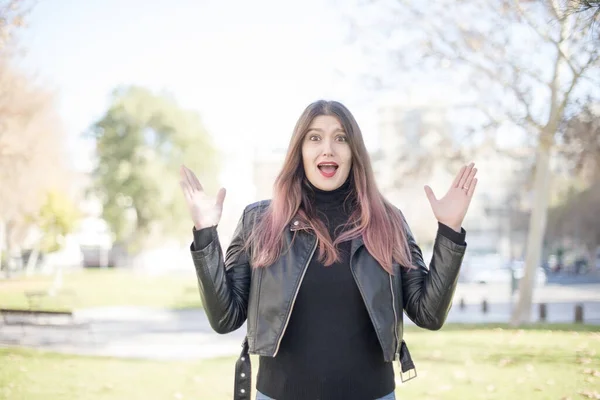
(329, 199)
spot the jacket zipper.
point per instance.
(397, 351)
(294, 299)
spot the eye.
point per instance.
(341, 138)
(313, 137)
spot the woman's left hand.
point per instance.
(451, 209)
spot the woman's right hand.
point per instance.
(204, 210)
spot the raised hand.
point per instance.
(451, 209)
(204, 210)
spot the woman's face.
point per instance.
(326, 153)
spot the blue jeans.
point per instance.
(260, 396)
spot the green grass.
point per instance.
(104, 288)
(458, 362)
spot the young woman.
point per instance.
(323, 272)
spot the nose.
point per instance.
(327, 148)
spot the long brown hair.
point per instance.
(374, 218)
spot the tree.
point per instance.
(578, 218)
(579, 143)
(141, 141)
(31, 136)
(521, 64)
(32, 157)
(590, 7)
(12, 13)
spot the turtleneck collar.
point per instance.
(329, 199)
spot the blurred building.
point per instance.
(413, 152)
(267, 165)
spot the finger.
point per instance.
(184, 174)
(472, 188)
(221, 197)
(465, 175)
(470, 178)
(191, 178)
(186, 191)
(458, 176)
(430, 195)
(197, 183)
(188, 177)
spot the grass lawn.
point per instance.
(99, 288)
(459, 362)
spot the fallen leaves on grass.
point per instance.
(504, 362)
(589, 394)
(592, 372)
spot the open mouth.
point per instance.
(327, 169)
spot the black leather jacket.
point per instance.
(233, 292)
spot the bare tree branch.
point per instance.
(555, 9)
(594, 58)
(523, 14)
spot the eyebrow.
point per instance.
(321, 130)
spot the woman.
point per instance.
(323, 272)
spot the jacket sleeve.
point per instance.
(428, 292)
(224, 282)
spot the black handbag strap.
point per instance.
(243, 374)
(406, 363)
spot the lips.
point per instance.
(327, 169)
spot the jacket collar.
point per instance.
(297, 224)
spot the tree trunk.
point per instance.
(9, 264)
(537, 225)
(33, 259)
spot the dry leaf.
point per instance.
(529, 368)
(503, 362)
(590, 395)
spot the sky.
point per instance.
(248, 68)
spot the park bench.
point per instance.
(22, 316)
(35, 315)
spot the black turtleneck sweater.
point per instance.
(330, 350)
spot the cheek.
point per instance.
(305, 156)
(347, 156)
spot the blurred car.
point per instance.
(487, 268)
